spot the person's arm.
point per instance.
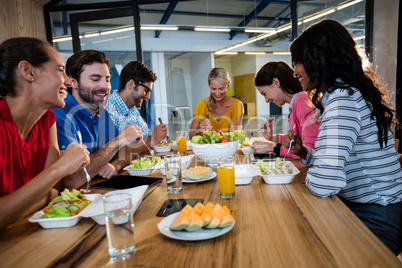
(199, 119)
(262, 147)
(340, 126)
(103, 155)
(38, 190)
(237, 114)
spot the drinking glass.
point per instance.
(226, 177)
(119, 225)
(181, 141)
(173, 174)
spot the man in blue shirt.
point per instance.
(136, 81)
(84, 120)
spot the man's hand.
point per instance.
(159, 133)
(108, 171)
(129, 134)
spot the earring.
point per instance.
(32, 79)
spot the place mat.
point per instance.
(171, 206)
(126, 182)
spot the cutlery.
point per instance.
(85, 170)
(207, 115)
(150, 151)
(167, 137)
(290, 145)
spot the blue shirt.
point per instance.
(348, 159)
(122, 115)
(96, 130)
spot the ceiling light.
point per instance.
(254, 53)
(319, 15)
(211, 29)
(284, 28)
(159, 27)
(348, 4)
(281, 53)
(259, 30)
(225, 53)
(118, 30)
(62, 39)
(102, 41)
(91, 35)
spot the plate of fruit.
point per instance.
(198, 223)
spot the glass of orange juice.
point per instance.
(181, 141)
(226, 177)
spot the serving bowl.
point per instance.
(162, 149)
(281, 178)
(244, 173)
(139, 172)
(247, 150)
(210, 153)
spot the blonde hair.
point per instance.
(220, 75)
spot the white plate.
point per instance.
(201, 234)
(213, 175)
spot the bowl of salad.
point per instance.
(278, 172)
(163, 147)
(143, 166)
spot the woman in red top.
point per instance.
(32, 82)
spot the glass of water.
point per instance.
(119, 225)
(173, 174)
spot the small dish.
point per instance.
(139, 172)
(162, 149)
(245, 173)
(247, 150)
(281, 178)
(186, 161)
(201, 234)
(213, 175)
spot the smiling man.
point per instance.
(135, 86)
(84, 119)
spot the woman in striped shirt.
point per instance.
(354, 154)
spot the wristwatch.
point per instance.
(277, 149)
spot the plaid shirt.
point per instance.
(122, 115)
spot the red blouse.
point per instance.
(21, 161)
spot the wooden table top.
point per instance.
(275, 226)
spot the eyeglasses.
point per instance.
(147, 89)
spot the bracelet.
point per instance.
(277, 149)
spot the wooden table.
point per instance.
(276, 226)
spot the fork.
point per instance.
(85, 170)
(290, 145)
(150, 151)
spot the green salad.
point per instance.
(67, 204)
(144, 163)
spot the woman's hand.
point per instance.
(297, 144)
(205, 124)
(262, 147)
(74, 157)
(267, 129)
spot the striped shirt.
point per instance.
(122, 115)
(348, 159)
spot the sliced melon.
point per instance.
(206, 218)
(216, 209)
(215, 221)
(226, 221)
(180, 222)
(197, 173)
(195, 223)
(186, 210)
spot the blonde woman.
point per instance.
(219, 110)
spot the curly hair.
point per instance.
(283, 72)
(327, 51)
(15, 50)
(137, 71)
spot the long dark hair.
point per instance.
(327, 51)
(283, 72)
(15, 50)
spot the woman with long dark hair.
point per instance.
(32, 82)
(354, 154)
(276, 83)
